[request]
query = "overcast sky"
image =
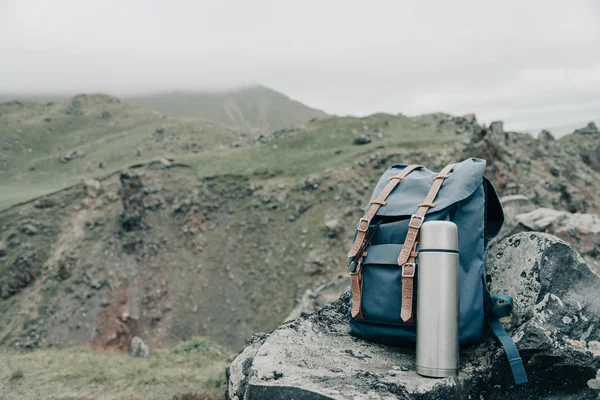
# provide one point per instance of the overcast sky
(530, 63)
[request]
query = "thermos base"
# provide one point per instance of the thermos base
(436, 372)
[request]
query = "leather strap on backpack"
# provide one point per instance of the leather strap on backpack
(363, 223)
(358, 246)
(408, 254)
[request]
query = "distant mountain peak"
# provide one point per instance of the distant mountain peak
(254, 107)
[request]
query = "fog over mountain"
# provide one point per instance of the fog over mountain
(531, 64)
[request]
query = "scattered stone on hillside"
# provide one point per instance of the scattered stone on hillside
(21, 273)
(30, 229)
(586, 141)
(93, 188)
(71, 156)
(516, 204)
(546, 136)
(93, 223)
(309, 184)
(74, 108)
(138, 348)
(553, 323)
(302, 206)
(332, 228)
(105, 115)
(45, 203)
(314, 300)
(318, 261)
(589, 129)
(133, 217)
(66, 263)
(159, 163)
(362, 139)
(13, 240)
(497, 129)
(470, 118)
(2, 249)
(111, 197)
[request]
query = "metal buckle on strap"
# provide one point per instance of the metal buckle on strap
(414, 269)
(360, 221)
(413, 217)
(354, 267)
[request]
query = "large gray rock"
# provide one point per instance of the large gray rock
(138, 348)
(516, 204)
(580, 230)
(555, 325)
(314, 300)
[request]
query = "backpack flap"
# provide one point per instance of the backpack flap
(464, 179)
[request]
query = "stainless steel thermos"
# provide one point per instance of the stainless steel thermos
(437, 300)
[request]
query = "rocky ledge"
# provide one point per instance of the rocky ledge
(555, 323)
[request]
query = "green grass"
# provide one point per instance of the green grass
(33, 167)
(83, 373)
(33, 137)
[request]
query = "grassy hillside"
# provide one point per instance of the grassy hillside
(193, 370)
(230, 235)
(220, 241)
(114, 135)
(45, 147)
(252, 109)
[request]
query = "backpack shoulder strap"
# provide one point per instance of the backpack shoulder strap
(500, 306)
(361, 238)
(407, 256)
(363, 223)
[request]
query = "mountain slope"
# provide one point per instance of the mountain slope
(45, 147)
(250, 109)
(222, 247)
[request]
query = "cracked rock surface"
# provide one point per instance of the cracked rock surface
(554, 322)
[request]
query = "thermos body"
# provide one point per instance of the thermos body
(437, 300)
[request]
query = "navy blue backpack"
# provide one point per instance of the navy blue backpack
(383, 260)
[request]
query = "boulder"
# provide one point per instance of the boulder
(159, 163)
(332, 228)
(138, 348)
(580, 230)
(93, 188)
(65, 158)
(314, 300)
(516, 204)
(554, 323)
(2, 249)
(30, 229)
(44, 203)
(362, 139)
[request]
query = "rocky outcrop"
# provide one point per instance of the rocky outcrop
(133, 217)
(314, 300)
(554, 322)
(559, 174)
(22, 272)
(580, 230)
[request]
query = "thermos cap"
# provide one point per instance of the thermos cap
(439, 235)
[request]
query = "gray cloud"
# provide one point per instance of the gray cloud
(532, 63)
